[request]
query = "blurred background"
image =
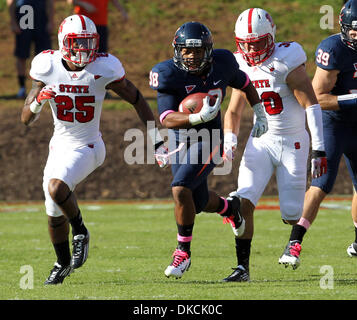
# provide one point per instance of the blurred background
(141, 41)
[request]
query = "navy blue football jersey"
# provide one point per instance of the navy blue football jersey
(173, 84)
(333, 54)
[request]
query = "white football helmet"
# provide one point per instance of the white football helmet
(253, 25)
(78, 40)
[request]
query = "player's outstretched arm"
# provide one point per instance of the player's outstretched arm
(232, 120)
(261, 122)
(28, 116)
(299, 82)
(234, 112)
(323, 82)
(130, 93)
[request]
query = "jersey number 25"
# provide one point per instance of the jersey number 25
(83, 113)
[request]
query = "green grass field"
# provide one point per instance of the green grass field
(131, 245)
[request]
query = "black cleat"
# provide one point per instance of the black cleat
(58, 273)
(240, 274)
(236, 220)
(352, 250)
(80, 250)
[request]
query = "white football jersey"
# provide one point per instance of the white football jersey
(77, 107)
(285, 115)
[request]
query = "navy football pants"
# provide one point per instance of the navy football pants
(340, 139)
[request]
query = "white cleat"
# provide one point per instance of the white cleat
(181, 262)
(290, 256)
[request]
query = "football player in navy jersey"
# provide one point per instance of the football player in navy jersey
(335, 85)
(196, 67)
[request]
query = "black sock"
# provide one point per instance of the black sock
(356, 234)
(184, 231)
(77, 224)
(63, 253)
(297, 233)
(243, 252)
(21, 80)
(221, 205)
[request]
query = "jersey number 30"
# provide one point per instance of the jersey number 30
(83, 113)
(272, 102)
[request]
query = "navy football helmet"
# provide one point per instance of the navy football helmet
(193, 35)
(348, 21)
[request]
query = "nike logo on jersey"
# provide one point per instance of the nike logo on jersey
(261, 83)
(73, 89)
(216, 82)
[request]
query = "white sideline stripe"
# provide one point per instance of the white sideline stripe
(335, 206)
(154, 206)
(94, 208)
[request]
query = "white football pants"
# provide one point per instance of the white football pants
(286, 156)
(71, 165)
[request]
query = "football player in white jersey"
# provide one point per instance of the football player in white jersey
(74, 80)
(278, 72)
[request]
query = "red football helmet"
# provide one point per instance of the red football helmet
(78, 40)
(254, 25)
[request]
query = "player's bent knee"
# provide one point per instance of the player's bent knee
(181, 194)
(59, 191)
(291, 222)
(56, 222)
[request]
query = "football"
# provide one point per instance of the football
(193, 103)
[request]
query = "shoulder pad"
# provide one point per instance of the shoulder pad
(223, 55)
(331, 43)
(41, 64)
(162, 76)
(239, 58)
(109, 66)
(291, 54)
(330, 53)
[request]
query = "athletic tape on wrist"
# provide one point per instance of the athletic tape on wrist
(35, 107)
(347, 101)
(195, 119)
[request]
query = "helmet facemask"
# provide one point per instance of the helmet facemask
(193, 35)
(256, 57)
(348, 22)
(80, 49)
(196, 64)
(252, 26)
(346, 38)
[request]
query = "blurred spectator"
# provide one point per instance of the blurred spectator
(31, 21)
(97, 10)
